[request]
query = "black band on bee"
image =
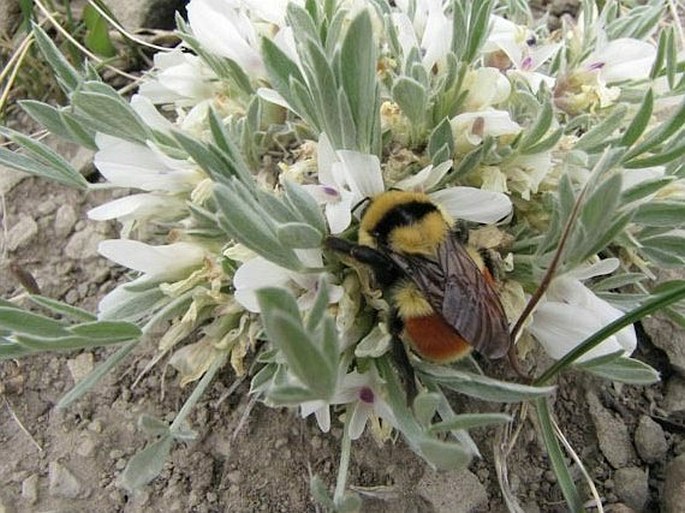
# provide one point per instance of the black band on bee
(404, 214)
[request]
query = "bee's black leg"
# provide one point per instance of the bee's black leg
(384, 269)
(399, 353)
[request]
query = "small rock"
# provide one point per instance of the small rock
(22, 233)
(80, 366)
(673, 495)
(442, 492)
(632, 487)
(619, 507)
(650, 440)
(86, 447)
(47, 207)
(65, 219)
(62, 482)
(668, 337)
(83, 244)
(29, 489)
(612, 433)
(675, 395)
(95, 426)
(8, 177)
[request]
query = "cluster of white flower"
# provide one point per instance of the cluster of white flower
(488, 106)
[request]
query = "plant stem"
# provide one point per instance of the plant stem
(343, 468)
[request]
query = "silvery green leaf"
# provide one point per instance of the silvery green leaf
(639, 123)
(281, 69)
(479, 19)
(262, 380)
(556, 456)
(64, 343)
(443, 455)
(146, 465)
(644, 189)
(348, 131)
(27, 323)
(618, 281)
(67, 77)
(357, 74)
(659, 134)
(441, 137)
(473, 158)
(58, 122)
(664, 213)
(305, 357)
(470, 421)
(539, 128)
(217, 169)
(412, 98)
(425, 405)
(298, 236)
(136, 306)
(291, 395)
(40, 160)
(482, 387)
(350, 503)
(110, 114)
(106, 331)
(672, 153)
(228, 151)
(304, 206)
(624, 370)
(545, 144)
(320, 492)
(460, 28)
(601, 134)
(602, 239)
(152, 425)
(96, 375)
(316, 314)
(302, 23)
(10, 350)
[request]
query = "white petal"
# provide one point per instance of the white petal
(437, 35)
(139, 206)
(425, 179)
(326, 157)
(473, 204)
(405, 32)
(623, 59)
(339, 214)
(358, 417)
(633, 177)
(152, 260)
(149, 113)
(255, 274)
(363, 173)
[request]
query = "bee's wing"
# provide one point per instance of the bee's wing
(456, 288)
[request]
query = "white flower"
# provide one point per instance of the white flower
(127, 164)
(486, 87)
(345, 178)
(430, 24)
(363, 395)
(156, 263)
(180, 78)
(232, 28)
(470, 128)
(520, 46)
(140, 208)
(621, 59)
(571, 313)
(258, 273)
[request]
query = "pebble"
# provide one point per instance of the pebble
(86, 447)
(62, 482)
(619, 507)
(9, 179)
(440, 490)
(95, 426)
(80, 366)
(29, 489)
(673, 495)
(650, 440)
(675, 395)
(22, 233)
(612, 433)
(668, 337)
(83, 244)
(632, 487)
(46, 207)
(65, 219)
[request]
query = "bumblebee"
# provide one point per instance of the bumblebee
(442, 296)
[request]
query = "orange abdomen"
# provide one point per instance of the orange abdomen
(435, 340)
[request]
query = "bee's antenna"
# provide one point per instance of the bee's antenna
(360, 203)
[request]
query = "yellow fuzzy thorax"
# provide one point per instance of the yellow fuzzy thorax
(422, 237)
